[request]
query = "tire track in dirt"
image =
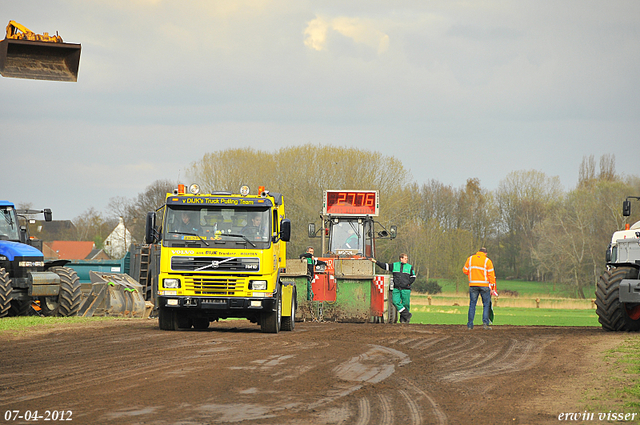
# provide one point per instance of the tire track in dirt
(513, 356)
(386, 416)
(414, 410)
(321, 374)
(70, 378)
(472, 360)
(439, 415)
(364, 412)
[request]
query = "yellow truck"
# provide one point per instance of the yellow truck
(221, 256)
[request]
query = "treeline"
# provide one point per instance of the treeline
(532, 228)
(93, 225)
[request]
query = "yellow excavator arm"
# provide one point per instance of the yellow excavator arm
(16, 31)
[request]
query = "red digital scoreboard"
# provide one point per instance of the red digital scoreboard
(351, 202)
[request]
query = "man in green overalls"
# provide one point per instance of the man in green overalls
(403, 277)
(312, 262)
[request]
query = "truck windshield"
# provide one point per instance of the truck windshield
(347, 237)
(229, 227)
(9, 229)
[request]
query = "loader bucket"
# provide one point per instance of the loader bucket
(38, 60)
(114, 294)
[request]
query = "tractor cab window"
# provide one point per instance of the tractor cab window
(9, 228)
(217, 226)
(347, 237)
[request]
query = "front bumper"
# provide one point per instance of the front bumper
(230, 304)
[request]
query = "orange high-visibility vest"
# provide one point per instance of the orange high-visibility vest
(479, 268)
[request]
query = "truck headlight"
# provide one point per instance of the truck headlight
(171, 283)
(258, 285)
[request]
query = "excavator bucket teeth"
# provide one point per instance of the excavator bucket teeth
(38, 60)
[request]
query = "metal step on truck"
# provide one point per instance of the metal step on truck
(221, 256)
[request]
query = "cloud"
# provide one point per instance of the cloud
(316, 34)
(358, 30)
(159, 77)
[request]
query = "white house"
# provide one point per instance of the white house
(118, 241)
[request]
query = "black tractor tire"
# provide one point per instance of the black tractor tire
(289, 322)
(5, 293)
(21, 308)
(612, 314)
(69, 300)
(393, 312)
(271, 321)
(166, 318)
(173, 320)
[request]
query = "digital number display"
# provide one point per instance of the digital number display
(351, 202)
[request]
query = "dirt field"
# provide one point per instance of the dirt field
(130, 372)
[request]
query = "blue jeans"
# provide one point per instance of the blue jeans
(485, 292)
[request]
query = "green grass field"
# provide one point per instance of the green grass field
(523, 288)
(434, 315)
(457, 315)
(26, 322)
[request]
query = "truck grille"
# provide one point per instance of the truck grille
(215, 287)
(215, 264)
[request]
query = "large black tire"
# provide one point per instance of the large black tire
(393, 311)
(5, 292)
(173, 320)
(271, 321)
(21, 308)
(612, 314)
(166, 318)
(68, 301)
(289, 322)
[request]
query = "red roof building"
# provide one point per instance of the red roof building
(73, 250)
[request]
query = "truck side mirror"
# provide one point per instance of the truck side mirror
(312, 230)
(626, 208)
(285, 230)
(47, 214)
(150, 228)
(393, 232)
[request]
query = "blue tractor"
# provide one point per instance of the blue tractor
(26, 280)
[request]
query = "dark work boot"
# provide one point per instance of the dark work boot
(405, 316)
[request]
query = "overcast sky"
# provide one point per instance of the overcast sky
(453, 89)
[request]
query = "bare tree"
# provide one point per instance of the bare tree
(524, 198)
(607, 168)
(301, 173)
(133, 211)
(92, 226)
(587, 172)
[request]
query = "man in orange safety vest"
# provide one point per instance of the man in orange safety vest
(482, 282)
